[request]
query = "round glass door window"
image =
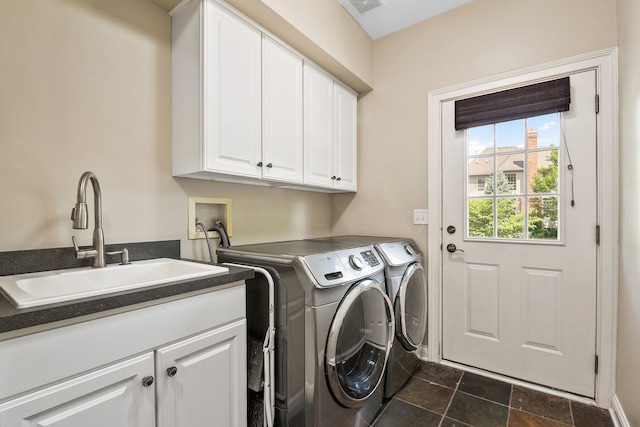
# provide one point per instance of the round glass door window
(410, 308)
(359, 342)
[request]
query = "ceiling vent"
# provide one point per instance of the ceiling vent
(363, 6)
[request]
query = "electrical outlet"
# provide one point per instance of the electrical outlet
(420, 216)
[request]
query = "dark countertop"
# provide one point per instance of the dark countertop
(16, 322)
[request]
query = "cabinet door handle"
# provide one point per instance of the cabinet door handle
(172, 371)
(147, 381)
(333, 177)
(259, 164)
(269, 165)
(339, 179)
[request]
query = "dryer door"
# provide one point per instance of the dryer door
(359, 343)
(410, 308)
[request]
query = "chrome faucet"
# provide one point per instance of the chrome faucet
(81, 222)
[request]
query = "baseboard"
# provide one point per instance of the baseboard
(617, 414)
(423, 352)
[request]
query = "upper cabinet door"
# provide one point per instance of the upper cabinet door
(281, 113)
(346, 138)
(318, 128)
(232, 93)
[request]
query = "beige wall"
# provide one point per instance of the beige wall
(628, 369)
(86, 85)
(483, 38)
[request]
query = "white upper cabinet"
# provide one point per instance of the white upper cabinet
(346, 138)
(232, 93)
(247, 108)
(318, 128)
(281, 113)
(217, 92)
(330, 132)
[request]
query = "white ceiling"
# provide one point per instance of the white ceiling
(394, 15)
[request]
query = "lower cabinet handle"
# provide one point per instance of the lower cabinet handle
(339, 179)
(269, 165)
(172, 371)
(147, 381)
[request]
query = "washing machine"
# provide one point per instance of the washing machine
(335, 328)
(407, 288)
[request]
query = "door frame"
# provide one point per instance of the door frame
(605, 62)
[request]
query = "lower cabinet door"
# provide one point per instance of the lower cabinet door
(202, 380)
(118, 395)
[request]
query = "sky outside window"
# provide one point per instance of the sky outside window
(512, 134)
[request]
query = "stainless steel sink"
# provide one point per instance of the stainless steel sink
(34, 289)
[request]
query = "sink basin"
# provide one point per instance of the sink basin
(34, 289)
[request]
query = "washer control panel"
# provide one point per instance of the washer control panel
(370, 257)
(339, 267)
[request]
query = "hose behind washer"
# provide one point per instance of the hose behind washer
(268, 348)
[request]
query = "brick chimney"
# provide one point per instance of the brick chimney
(532, 160)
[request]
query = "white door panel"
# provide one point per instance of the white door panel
(519, 307)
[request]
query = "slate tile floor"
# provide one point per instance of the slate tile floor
(441, 396)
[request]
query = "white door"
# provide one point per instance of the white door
(318, 128)
(521, 301)
(202, 380)
(346, 138)
(233, 94)
(281, 113)
(119, 395)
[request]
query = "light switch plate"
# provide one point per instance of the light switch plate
(421, 216)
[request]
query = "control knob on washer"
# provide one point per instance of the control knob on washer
(355, 262)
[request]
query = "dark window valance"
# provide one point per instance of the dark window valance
(527, 101)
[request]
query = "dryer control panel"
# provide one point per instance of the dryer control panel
(340, 267)
(398, 253)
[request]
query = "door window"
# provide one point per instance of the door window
(517, 163)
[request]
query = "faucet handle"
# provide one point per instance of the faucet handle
(82, 254)
(125, 255)
(73, 238)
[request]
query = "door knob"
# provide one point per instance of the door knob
(451, 248)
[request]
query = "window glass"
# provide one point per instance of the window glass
(513, 180)
(480, 140)
(480, 176)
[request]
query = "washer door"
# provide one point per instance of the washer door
(410, 307)
(359, 343)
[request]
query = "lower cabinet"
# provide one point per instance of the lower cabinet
(166, 375)
(113, 396)
(202, 380)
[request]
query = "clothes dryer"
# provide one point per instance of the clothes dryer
(334, 328)
(407, 289)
